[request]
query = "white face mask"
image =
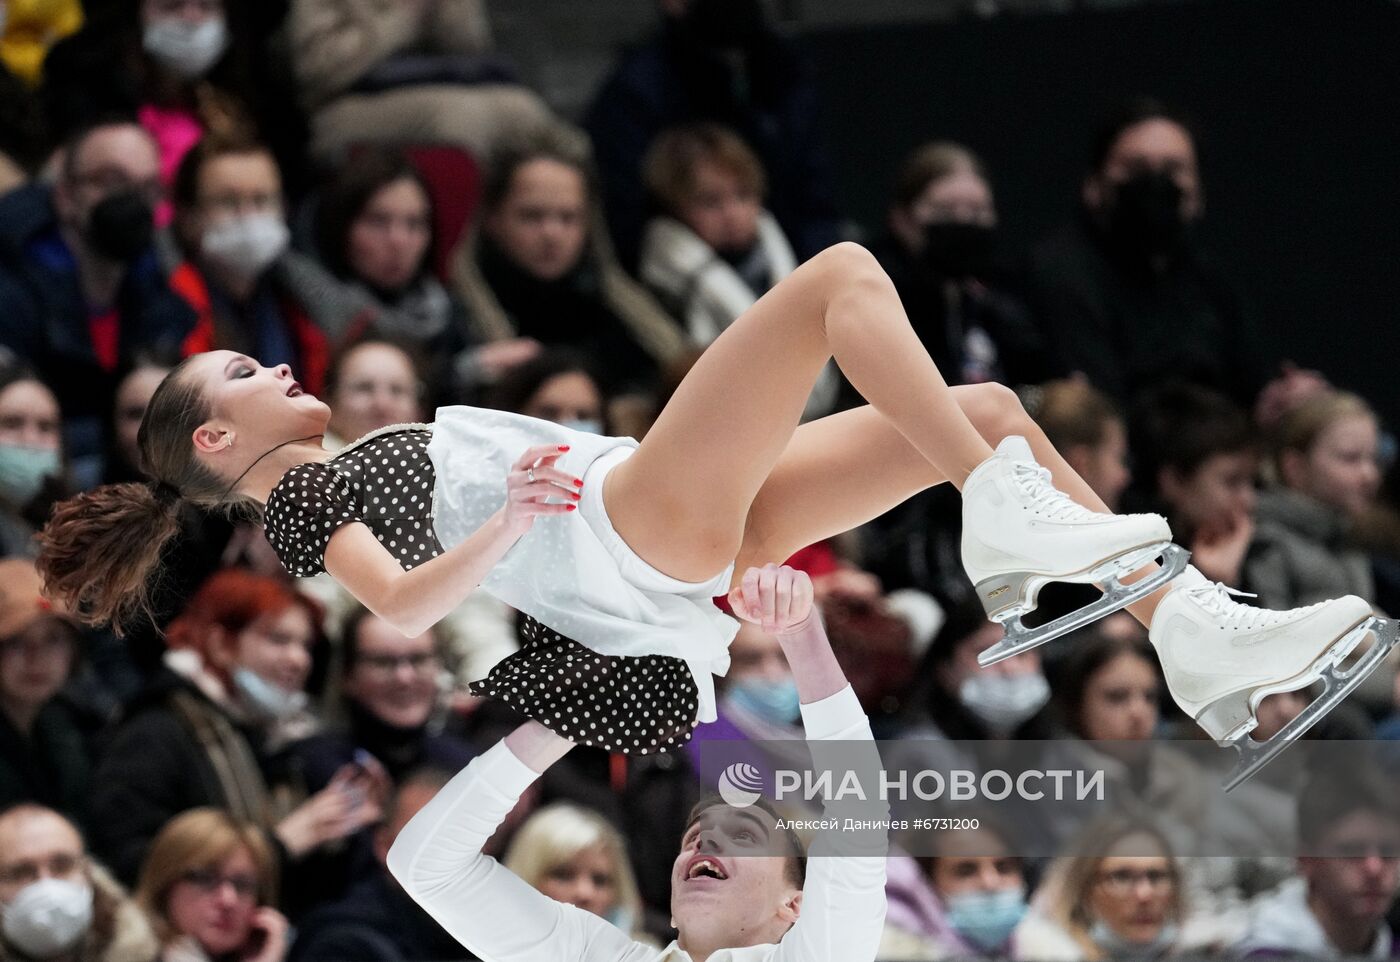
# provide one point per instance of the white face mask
(188, 49)
(270, 701)
(1002, 702)
(246, 245)
(586, 425)
(48, 917)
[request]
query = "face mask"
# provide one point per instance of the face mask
(23, 470)
(246, 245)
(48, 917)
(268, 700)
(1115, 946)
(187, 49)
(986, 918)
(726, 23)
(1144, 215)
(958, 250)
(120, 227)
(1002, 702)
(773, 701)
(586, 425)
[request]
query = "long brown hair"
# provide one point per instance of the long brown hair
(100, 552)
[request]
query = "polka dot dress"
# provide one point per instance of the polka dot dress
(385, 480)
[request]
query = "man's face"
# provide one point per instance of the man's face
(725, 889)
(109, 161)
(1358, 883)
(34, 846)
(394, 678)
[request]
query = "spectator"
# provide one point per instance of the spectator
(134, 392)
(58, 904)
(374, 234)
(390, 687)
(1118, 894)
(80, 288)
(43, 754)
(22, 129)
(377, 921)
(1348, 875)
(196, 737)
(1200, 451)
(941, 253)
(714, 250)
(962, 902)
(248, 291)
(31, 457)
(541, 268)
(720, 61)
(413, 73)
(183, 68)
(1125, 294)
(1087, 428)
(558, 386)
(372, 384)
(209, 882)
(574, 856)
(1326, 464)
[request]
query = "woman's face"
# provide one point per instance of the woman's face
(587, 880)
(390, 237)
(721, 209)
(29, 416)
(1216, 493)
(1133, 895)
(35, 663)
(571, 396)
(133, 395)
(974, 861)
(260, 407)
(215, 905)
(1120, 700)
(376, 386)
(1341, 468)
(542, 222)
(277, 647)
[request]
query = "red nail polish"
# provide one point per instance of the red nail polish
(573, 507)
(575, 496)
(563, 447)
(578, 481)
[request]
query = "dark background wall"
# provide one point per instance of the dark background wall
(1297, 103)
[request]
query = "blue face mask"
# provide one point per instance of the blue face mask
(773, 701)
(986, 919)
(1118, 947)
(586, 425)
(23, 470)
(268, 700)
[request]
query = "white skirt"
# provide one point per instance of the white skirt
(573, 572)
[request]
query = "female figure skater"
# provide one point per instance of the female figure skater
(622, 638)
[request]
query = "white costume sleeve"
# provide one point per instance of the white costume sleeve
(490, 910)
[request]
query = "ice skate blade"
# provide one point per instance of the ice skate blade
(1116, 597)
(1337, 684)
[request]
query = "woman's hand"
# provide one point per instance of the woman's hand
(532, 480)
(775, 597)
(267, 941)
(353, 799)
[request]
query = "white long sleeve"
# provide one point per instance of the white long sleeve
(498, 917)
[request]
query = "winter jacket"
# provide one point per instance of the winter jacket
(1302, 553)
(120, 930)
(49, 766)
(1282, 924)
(376, 922)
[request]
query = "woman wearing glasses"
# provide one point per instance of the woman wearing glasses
(209, 884)
(1117, 893)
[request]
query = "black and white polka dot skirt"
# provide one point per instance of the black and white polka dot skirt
(620, 704)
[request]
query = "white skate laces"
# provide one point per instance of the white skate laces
(1217, 600)
(1045, 498)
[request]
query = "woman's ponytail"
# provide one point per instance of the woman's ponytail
(101, 550)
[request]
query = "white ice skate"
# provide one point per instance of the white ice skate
(1020, 534)
(1221, 658)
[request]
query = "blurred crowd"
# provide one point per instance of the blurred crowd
(367, 191)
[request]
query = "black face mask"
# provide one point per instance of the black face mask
(1143, 215)
(120, 227)
(957, 250)
(728, 24)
